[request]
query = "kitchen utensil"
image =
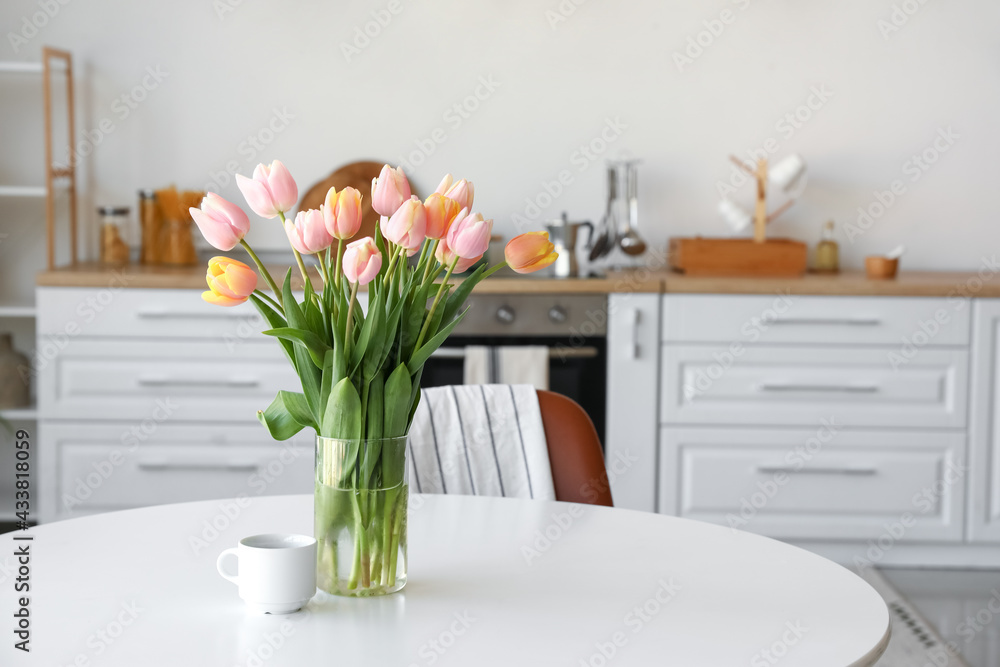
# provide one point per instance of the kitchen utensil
(631, 243)
(607, 237)
(878, 267)
(563, 235)
(896, 252)
(277, 572)
(357, 175)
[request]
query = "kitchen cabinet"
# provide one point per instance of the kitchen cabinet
(633, 377)
(984, 433)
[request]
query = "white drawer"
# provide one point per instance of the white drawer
(164, 313)
(833, 320)
(188, 380)
(68, 312)
(103, 467)
(708, 384)
(790, 484)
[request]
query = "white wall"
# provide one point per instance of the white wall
(556, 87)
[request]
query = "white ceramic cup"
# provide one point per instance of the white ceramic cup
(276, 571)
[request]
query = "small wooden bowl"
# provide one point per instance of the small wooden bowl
(881, 268)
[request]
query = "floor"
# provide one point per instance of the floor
(962, 605)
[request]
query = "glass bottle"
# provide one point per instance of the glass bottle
(114, 250)
(827, 251)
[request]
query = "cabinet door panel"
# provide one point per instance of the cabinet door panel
(984, 429)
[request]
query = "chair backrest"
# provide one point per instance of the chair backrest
(575, 455)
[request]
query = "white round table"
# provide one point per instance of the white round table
(492, 581)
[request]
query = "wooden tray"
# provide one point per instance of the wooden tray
(737, 257)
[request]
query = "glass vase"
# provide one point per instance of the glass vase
(360, 516)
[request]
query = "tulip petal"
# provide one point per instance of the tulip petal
(284, 191)
(219, 235)
(257, 195)
(219, 300)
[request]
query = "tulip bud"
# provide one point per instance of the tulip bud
(222, 223)
(308, 233)
(407, 225)
(445, 256)
(461, 193)
(389, 190)
(362, 261)
(272, 189)
(469, 235)
(230, 282)
(530, 252)
(441, 212)
(342, 213)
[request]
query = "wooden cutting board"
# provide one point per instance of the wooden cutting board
(357, 175)
(737, 257)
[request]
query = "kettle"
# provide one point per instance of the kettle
(563, 235)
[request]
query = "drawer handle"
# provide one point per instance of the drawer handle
(848, 321)
(155, 314)
(196, 465)
(843, 470)
(196, 382)
(848, 388)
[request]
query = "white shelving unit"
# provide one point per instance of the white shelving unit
(20, 414)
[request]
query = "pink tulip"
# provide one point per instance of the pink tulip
(469, 235)
(308, 233)
(441, 212)
(342, 213)
(461, 193)
(389, 190)
(362, 261)
(444, 184)
(222, 223)
(271, 190)
(407, 225)
(444, 255)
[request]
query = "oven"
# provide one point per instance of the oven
(573, 327)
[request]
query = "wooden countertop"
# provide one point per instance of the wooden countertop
(94, 274)
(908, 283)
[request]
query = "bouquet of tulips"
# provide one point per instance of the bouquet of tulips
(360, 371)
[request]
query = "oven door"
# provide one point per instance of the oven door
(576, 371)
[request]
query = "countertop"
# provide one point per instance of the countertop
(985, 283)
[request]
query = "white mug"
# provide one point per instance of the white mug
(276, 572)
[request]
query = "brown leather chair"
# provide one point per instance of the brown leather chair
(575, 454)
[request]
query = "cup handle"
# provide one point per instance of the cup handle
(222, 570)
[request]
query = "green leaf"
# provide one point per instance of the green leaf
(311, 379)
(287, 415)
(293, 313)
(413, 318)
(342, 418)
(371, 334)
(423, 354)
(373, 434)
(461, 293)
(397, 402)
(315, 345)
(276, 320)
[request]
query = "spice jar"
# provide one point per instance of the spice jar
(827, 251)
(149, 222)
(114, 250)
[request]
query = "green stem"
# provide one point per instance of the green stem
(350, 321)
(340, 255)
(298, 257)
(437, 298)
(264, 272)
(427, 269)
(397, 524)
(359, 531)
(388, 559)
(265, 297)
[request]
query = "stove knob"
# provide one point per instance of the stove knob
(505, 314)
(557, 314)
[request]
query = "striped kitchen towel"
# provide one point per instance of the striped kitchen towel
(481, 440)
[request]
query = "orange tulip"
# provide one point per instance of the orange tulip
(441, 212)
(230, 282)
(530, 252)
